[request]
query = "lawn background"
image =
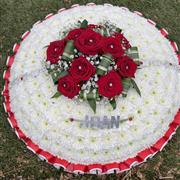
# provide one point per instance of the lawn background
(17, 16)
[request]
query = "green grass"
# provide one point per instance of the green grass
(17, 16)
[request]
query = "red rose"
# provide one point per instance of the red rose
(54, 50)
(110, 84)
(81, 69)
(126, 66)
(92, 26)
(125, 43)
(112, 46)
(74, 34)
(68, 87)
(89, 42)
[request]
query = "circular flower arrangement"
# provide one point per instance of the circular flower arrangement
(118, 77)
(92, 62)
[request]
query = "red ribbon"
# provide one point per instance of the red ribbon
(13, 120)
(151, 22)
(91, 4)
(143, 155)
(5, 91)
(49, 15)
(130, 161)
(7, 105)
(178, 55)
(159, 144)
(6, 74)
(123, 166)
(25, 35)
(95, 168)
(74, 5)
(35, 148)
(61, 10)
(61, 162)
(79, 168)
(111, 167)
(177, 119)
(164, 32)
(10, 61)
(138, 13)
(173, 44)
(16, 47)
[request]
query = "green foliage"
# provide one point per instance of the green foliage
(135, 87)
(92, 103)
(57, 74)
(56, 95)
(133, 53)
(113, 103)
(84, 24)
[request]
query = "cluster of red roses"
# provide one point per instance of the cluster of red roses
(90, 43)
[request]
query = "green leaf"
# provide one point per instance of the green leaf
(56, 75)
(63, 73)
(68, 53)
(118, 30)
(124, 95)
(133, 52)
(56, 95)
(113, 103)
(105, 32)
(46, 46)
(126, 86)
(135, 87)
(104, 64)
(92, 103)
(138, 62)
(81, 94)
(84, 24)
(158, 26)
(170, 37)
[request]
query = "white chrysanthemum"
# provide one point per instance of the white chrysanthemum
(46, 120)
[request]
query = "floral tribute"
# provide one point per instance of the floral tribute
(93, 62)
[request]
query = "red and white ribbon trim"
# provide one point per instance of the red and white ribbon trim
(151, 22)
(49, 15)
(61, 10)
(138, 13)
(131, 161)
(164, 32)
(124, 8)
(33, 147)
(10, 61)
(5, 91)
(25, 35)
(16, 47)
(174, 45)
(107, 4)
(95, 168)
(6, 74)
(81, 168)
(91, 4)
(38, 22)
(12, 121)
(112, 167)
(178, 55)
(143, 155)
(160, 144)
(123, 167)
(75, 5)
